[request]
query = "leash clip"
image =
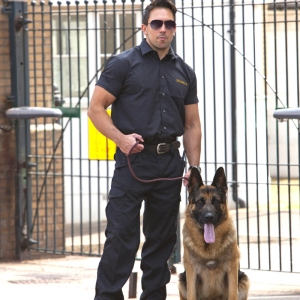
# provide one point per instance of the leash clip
(163, 150)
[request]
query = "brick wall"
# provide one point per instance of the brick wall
(49, 224)
(40, 95)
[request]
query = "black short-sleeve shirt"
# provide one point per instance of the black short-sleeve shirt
(151, 94)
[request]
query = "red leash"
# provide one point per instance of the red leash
(149, 180)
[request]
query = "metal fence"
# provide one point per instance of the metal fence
(246, 57)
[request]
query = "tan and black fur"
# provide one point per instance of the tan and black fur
(211, 268)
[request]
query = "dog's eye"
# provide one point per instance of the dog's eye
(201, 201)
(215, 201)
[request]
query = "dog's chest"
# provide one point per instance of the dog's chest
(211, 264)
(201, 263)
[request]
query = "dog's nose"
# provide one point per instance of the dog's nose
(209, 216)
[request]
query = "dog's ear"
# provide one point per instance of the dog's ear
(220, 181)
(195, 180)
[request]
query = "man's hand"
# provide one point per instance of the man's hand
(186, 178)
(128, 141)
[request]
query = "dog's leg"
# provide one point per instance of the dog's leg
(191, 279)
(233, 281)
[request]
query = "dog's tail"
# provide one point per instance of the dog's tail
(182, 277)
(244, 285)
(182, 285)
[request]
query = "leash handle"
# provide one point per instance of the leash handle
(148, 180)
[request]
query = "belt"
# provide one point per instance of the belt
(162, 148)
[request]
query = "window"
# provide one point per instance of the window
(75, 47)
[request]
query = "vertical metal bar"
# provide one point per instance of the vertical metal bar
(60, 141)
(69, 52)
(233, 109)
(25, 75)
(123, 26)
(132, 285)
(224, 86)
(90, 185)
(245, 128)
(60, 39)
(214, 81)
(183, 30)
(19, 86)
(54, 185)
(33, 4)
(204, 87)
(23, 44)
(132, 22)
(277, 135)
(256, 138)
(96, 15)
(80, 147)
(193, 34)
(42, 4)
(142, 10)
(115, 25)
(298, 99)
(79, 95)
(267, 131)
(54, 189)
(288, 133)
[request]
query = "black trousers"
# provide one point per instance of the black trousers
(123, 224)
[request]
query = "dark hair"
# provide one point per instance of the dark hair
(157, 4)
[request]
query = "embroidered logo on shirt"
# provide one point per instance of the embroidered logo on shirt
(181, 81)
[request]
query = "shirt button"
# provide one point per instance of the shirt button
(165, 127)
(163, 94)
(164, 110)
(162, 77)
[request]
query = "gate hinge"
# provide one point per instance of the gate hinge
(10, 99)
(20, 22)
(6, 9)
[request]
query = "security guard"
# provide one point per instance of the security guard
(153, 94)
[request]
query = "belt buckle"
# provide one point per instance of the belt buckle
(158, 150)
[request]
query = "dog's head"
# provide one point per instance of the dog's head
(208, 203)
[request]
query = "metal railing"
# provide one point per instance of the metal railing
(246, 58)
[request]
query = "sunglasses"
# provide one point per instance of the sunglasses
(157, 24)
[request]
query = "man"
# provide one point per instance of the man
(153, 94)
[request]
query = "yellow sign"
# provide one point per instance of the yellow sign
(100, 147)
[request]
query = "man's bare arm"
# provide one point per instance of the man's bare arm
(192, 136)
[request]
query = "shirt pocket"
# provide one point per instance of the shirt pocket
(178, 89)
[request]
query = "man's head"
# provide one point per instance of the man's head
(159, 25)
(158, 4)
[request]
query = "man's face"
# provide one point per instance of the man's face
(161, 38)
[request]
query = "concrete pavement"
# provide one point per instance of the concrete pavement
(73, 278)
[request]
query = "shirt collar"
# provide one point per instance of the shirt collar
(145, 48)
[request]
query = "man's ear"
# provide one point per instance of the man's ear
(144, 29)
(195, 180)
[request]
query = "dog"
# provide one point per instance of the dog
(211, 255)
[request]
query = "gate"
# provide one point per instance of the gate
(246, 57)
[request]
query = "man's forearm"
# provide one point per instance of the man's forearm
(192, 145)
(104, 124)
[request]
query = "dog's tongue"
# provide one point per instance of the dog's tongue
(209, 233)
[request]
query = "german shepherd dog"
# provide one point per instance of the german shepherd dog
(211, 255)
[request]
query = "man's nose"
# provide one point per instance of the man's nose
(163, 27)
